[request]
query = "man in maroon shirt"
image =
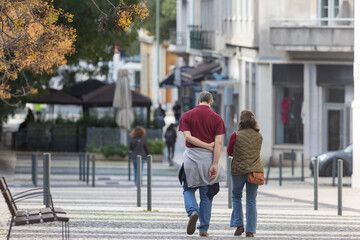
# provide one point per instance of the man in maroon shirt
(203, 130)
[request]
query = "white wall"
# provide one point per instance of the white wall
(280, 9)
(265, 113)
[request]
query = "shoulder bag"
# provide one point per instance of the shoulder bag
(256, 178)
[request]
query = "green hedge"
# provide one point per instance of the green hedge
(156, 146)
(110, 150)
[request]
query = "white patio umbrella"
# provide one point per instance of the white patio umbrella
(122, 103)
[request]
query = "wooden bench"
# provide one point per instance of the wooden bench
(24, 217)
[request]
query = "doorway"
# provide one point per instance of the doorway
(334, 127)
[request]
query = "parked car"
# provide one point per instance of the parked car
(326, 161)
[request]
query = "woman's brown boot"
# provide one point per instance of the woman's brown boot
(239, 230)
(249, 234)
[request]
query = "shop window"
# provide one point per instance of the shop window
(289, 115)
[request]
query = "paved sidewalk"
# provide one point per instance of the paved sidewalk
(109, 210)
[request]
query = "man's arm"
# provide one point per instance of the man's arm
(213, 171)
(197, 142)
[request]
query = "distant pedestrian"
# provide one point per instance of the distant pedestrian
(160, 116)
(170, 140)
(138, 146)
(245, 146)
(177, 112)
(203, 130)
(28, 119)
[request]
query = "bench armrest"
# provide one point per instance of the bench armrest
(30, 190)
(32, 194)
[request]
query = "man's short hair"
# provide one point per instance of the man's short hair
(205, 96)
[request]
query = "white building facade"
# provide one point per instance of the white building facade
(289, 61)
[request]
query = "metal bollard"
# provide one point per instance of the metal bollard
(333, 171)
(93, 170)
(316, 184)
(149, 181)
(280, 169)
(129, 167)
(228, 170)
(34, 170)
(340, 185)
(268, 170)
(80, 167)
(292, 161)
(83, 165)
(229, 181)
(87, 168)
(138, 178)
(46, 178)
(302, 167)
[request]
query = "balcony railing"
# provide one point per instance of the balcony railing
(201, 39)
(319, 22)
(178, 38)
(323, 34)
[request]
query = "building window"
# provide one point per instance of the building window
(137, 81)
(247, 85)
(329, 9)
(289, 117)
(253, 87)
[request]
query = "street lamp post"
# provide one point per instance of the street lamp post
(355, 180)
(157, 37)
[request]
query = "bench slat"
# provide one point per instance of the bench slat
(62, 217)
(48, 217)
(34, 219)
(8, 198)
(3, 184)
(20, 220)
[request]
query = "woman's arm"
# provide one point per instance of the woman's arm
(230, 146)
(146, 147)
(197, 142)
(132, 145)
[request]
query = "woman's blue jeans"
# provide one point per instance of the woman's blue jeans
(191, 205)
(135, 169)
(237, 218)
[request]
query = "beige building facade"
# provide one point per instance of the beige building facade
(149, 81)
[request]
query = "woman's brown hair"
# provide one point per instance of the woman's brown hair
(138, 132)
(247, 120)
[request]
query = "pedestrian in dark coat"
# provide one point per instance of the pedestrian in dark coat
(170, 140)
(138, 146)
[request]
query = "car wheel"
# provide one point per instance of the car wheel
(328, 170)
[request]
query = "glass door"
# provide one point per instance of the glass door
(335, 128)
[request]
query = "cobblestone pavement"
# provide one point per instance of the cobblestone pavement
(109, 210)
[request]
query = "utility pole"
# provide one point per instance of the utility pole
(355, 178)
(157, 80)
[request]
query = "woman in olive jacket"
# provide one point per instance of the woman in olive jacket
(245, 145)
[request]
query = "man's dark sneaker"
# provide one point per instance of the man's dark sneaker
(239, 230)
(203, 234)
(249, 234)
(192, 223)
